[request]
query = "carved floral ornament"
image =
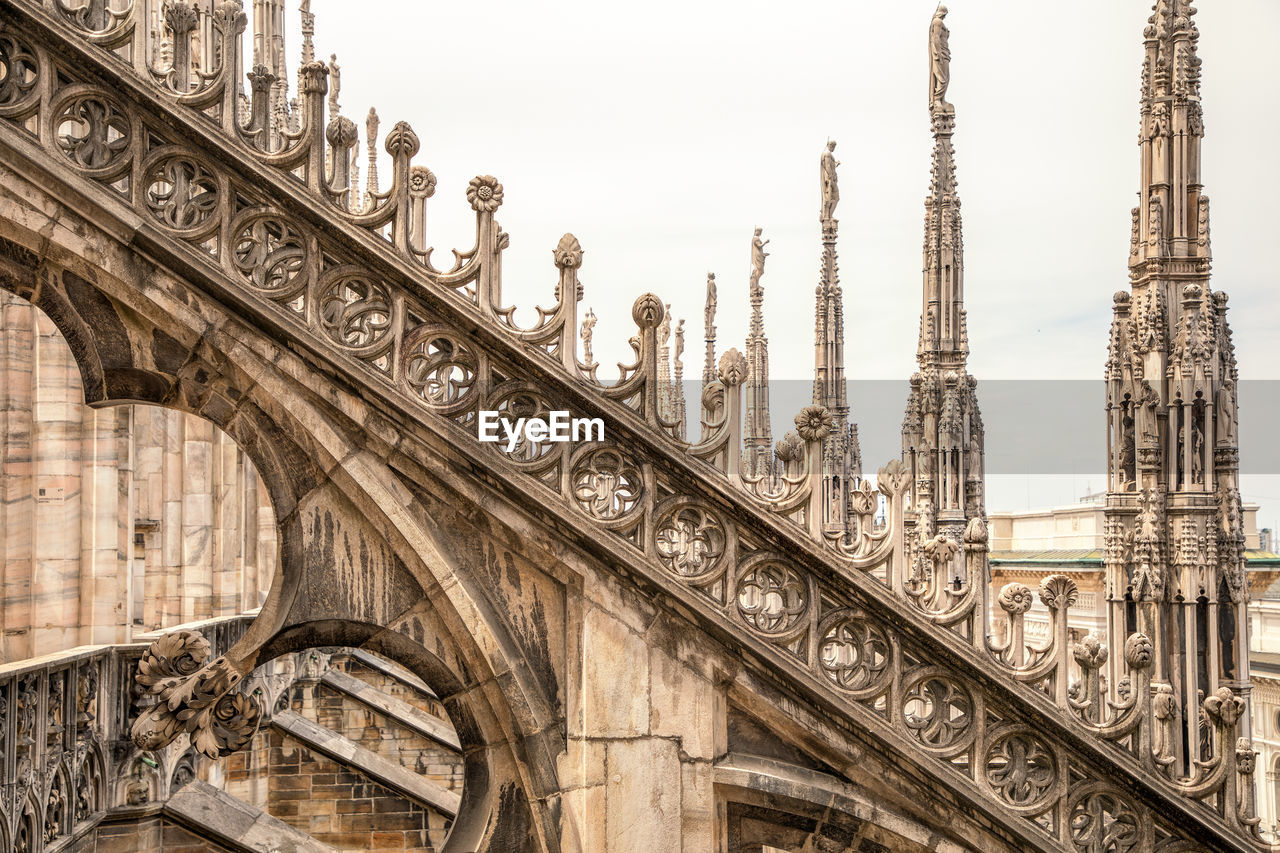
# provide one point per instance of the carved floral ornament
(484, 194)
(190, 697)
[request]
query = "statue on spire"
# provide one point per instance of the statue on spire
(830, 188)
(710, 310)
(335, 84)
(939, 62)
(588, 324)
(758, 254)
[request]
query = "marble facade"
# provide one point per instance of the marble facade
(114, 519)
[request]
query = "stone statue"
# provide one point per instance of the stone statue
(939, 62)
(975, 457)
(679, 345)
(1225, 403)
(830, 189)
(758, 254)
(1197, 453)
(335, 83)
(1148, 400)
(710, 315)
(588, 323)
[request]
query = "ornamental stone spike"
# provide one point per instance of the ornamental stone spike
(1173, 552)
(757, 433)
(942, 432)
(841, 470)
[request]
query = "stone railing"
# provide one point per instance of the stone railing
(878, 622)
(65, 753)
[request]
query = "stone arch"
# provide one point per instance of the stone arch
(184, 769)
(90, 792)
(773, 804)
(141, 334)
(1275, 788)
(58, 805)
(491, 816)
(27, 834)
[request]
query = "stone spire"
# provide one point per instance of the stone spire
(841, 460)
(942, 434)
(1174, 553)
(269, 59)
(709, 325)
(677, 386)
(665, 408)
(758, 437)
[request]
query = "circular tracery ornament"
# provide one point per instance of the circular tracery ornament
(1021, 768)
(855, 654)
(439, 368)
(1103, 821)
(606, 484)
(690, 541)
(355, 311)
(271, 256)
(937, 711)
(181, 193)
(515, 405)
(772, 597)
(19, 71)
(91, 131)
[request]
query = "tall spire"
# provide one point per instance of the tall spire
(841, 460)
(709, 325)
(942, 433)
(757, 434)
(1174, 539)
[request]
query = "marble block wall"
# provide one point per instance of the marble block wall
(115, 519)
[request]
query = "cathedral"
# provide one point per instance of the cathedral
(263, 587)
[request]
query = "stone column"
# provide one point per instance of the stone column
(17, 485)
(56, 453)
(227, 519)
(197, 519)
(171, 534)
(104, 566)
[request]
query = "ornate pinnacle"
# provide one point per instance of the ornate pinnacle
(371, 139)
(308, 30)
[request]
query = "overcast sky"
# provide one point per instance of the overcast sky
(661, 133)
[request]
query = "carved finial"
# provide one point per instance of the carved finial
(733, 367)
(568, 253)
(647, 311)
(402, 142)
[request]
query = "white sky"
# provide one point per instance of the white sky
(661, 133)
